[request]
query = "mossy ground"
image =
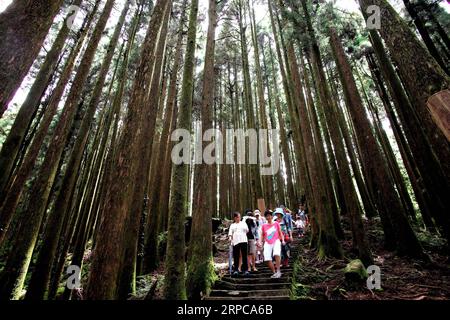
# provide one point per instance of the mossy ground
(401, 277)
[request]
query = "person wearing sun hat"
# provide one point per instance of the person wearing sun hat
(278, 211)
(259, 220)
(284, 226)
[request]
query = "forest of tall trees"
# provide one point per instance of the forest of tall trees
(119, 178)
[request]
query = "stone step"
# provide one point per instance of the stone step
(267, 269)
(262, 274)
(267, 280)
(283, 297)
(249, 293)
(283, 270)
(224, 285)
(257, 286)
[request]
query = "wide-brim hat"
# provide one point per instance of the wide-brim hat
(278, 211)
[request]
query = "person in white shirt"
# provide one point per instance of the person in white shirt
(238, 238)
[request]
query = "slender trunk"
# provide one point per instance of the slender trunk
(261, 106)
(328, 243)
(24, 26)
(9, 200)
(108, 254)
(430, 169)
(255, 177)
(163, 205)
(40, 277)
(326, 131)
(337, 195)
(369, 208)
(128, 272)
(405, 151)
(150, 259)
(324, 95)
(442, 32)
(392, 163)
(200, 266)
(388, 203)
(426, 37)
(18, 262)
(304, 188)
(174, 284)
(421, 75)
(29, 108)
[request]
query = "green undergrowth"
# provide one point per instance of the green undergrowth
(299, 291)
(162, 244)
(144, 283)
(431, 241)
(201, 277)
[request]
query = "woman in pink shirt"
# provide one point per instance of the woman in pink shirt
(271, 236)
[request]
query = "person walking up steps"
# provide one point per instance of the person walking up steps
(251, 236)
(288, 220)
(271, 235)
(259, 223)
(287, 233)
(300, 225)
(238, 237)
(301, 222)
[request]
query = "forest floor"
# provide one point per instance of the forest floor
(401, 278)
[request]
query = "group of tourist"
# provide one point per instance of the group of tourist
(256, 238)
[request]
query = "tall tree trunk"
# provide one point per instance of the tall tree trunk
(328, 243)
(321, 83)
(104, 279)
(426, 37)
(150, 259)
(9, 200)
(304, 188)
(369, 208)
(128, 272)
(387, 152)
(255, 177)
(40, 277)
(352, 207)
(421, 75)
(174, 284)
(440, 29)
(431, 170)
(330, 170)
(280, 194)
(163, 205)
(326, 133)
(24, 26)
(200, 266)
(405, 151)
(261, 105)
(290, 199)
(392, 163)
(29, 108)
(18, 261)
(388, 203)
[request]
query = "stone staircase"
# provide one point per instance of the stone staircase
(258, 285)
